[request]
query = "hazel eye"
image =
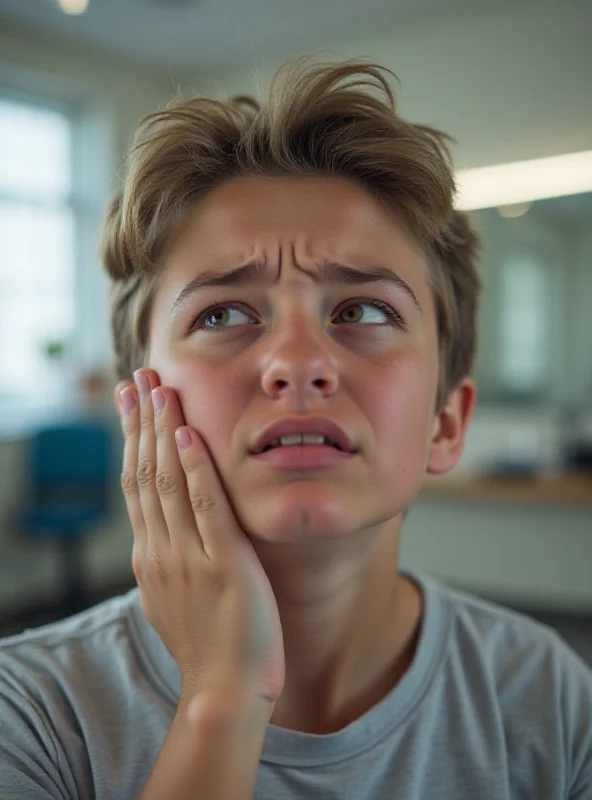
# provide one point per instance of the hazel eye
(377, 306)
(231, 315)
(219, 318)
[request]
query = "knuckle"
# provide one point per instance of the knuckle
(160, 428)
(194, 466)
(157, 566)
(201, 503)
(129, 482)
(137, 566)
(146, 472)
(166, 484)
(128, 424)
(146, 423)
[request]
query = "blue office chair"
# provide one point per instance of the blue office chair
(70, 475)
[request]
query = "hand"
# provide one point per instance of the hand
(201, 584)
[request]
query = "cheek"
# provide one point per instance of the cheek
(208, 399)
(400, 410)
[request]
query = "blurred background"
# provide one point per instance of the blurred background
(511, 81)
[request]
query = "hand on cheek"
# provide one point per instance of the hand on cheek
(201, 585)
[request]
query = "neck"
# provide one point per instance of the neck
(349, 625)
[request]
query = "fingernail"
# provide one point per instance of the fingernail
(183, 438)
(142, 383)
(127, 399)
(158, 400)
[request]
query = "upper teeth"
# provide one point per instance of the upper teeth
(300, 438)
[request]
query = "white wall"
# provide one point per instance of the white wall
(524, 554)
(508, 82)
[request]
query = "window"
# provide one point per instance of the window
(524, 328)
(37, 246)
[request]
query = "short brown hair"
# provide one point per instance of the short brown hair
(332, 119)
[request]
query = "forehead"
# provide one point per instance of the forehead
(319, 216)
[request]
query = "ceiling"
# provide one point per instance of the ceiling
(220, 34)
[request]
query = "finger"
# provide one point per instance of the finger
(156, 528)
(215, 518)
(171, 482)
(127, 403)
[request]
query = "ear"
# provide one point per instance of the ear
(450, 427)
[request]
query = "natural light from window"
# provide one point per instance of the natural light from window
(524, 354)
(37, 239)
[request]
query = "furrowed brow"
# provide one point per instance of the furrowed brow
(326, 273)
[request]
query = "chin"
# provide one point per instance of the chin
(299, 511)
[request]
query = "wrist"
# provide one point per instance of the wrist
(222, 707)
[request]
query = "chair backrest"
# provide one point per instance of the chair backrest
(74, 456)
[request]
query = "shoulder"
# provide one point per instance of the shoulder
(510, 643)
(540, 687)
(78, 630)
(58, 683)
(82, 649)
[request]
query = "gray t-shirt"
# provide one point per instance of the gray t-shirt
(495, 706)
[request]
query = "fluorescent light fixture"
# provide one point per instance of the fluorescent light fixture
(523, 181)
(516, 210)
(73, 7)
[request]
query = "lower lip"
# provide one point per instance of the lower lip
(303, 456)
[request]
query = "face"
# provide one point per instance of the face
(364, 355)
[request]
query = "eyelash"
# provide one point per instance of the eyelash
(393, 315)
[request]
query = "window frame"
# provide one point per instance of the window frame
(92, 178)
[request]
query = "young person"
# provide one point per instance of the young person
(273, 647)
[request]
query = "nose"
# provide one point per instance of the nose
(300, 364)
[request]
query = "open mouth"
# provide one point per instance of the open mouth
(299, 439)
(303, 452)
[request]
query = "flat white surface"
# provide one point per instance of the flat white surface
(528, 555)
(205, 33)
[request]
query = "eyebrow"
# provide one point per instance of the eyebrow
(327, 272)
